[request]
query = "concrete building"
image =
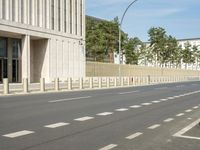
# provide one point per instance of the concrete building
(42, 38)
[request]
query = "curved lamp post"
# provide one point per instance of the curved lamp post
(120, 43)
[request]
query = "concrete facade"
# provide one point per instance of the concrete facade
(51, 35)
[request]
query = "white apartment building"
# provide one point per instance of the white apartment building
(42, 39)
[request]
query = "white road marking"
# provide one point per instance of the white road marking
(18, 134)
(111, 146)
(170, 98)
(189, 110)
(154, 126)
(156, 101)
(105, 114)
(169, 120)
(128, 92)
(84, 118)
(56, 125)
(195, 107)
(186, 129)
(130, 137)
(135, 106)
(146, 104)
(122, 109)
(181, 114)
(163, 100)
(176, 96)
(69, 99)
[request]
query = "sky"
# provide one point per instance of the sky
(180, 18)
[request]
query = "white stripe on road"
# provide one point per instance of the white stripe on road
(84, 118)
(186, 129)
(128, 92)
(122, 109)
(176, 96)
(69, 99)
(170, 98)
(154, 126)
(156, 101)
(179, 115)
(195, 107)
(105, 114)
(189, 110)
(169, 120)
(18, 134)
(164, 100)
(130, 137)
(111, 146)
(135, 106)
(56, 125)
(146, 104)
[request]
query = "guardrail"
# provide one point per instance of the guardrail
(86, 83)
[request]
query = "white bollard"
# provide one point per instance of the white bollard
(25, 85)
(108, 82)
(115, 82)
(5, 86)
(56, 84)
(80, 83)
(100, 82)
(91, 83)
(69, 82)
(122, 81)
(42, 84)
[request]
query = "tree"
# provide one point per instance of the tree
(132, 50)
(188, 57)
(158, 39)
(196, 52)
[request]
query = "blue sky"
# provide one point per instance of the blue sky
(180, 18)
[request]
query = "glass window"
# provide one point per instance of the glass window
(70, 18)
(59, 24)
(52, 14)
(3, 48)
(16, 48)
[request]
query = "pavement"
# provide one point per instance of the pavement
(133, 118)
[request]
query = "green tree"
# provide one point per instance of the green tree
(158, 40)
(132, 50)
(188, 57)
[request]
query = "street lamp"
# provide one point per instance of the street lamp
(120, 43)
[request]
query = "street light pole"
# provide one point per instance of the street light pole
(120, 36)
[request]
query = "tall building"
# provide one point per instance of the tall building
(42, 38)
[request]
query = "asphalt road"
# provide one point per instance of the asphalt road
(136, 118)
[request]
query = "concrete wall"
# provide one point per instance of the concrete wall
(105, 69)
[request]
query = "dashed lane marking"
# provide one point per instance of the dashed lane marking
(105, 114)
(156, 101)
(163, 100)
(169, 120)
(181, 114)
(130, 92)
(56, 125)
(154, 126)
(170, 98)
(108, 147)
(69, 99)
(18, 134)
(146, 104)
(189, 110)
(195, 107)
(130, 137)
(122, 109)
(135, 106)
(84, 118)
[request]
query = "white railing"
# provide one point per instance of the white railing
(87, 83)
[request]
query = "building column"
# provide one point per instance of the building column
(6, 9)
(26, 57)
